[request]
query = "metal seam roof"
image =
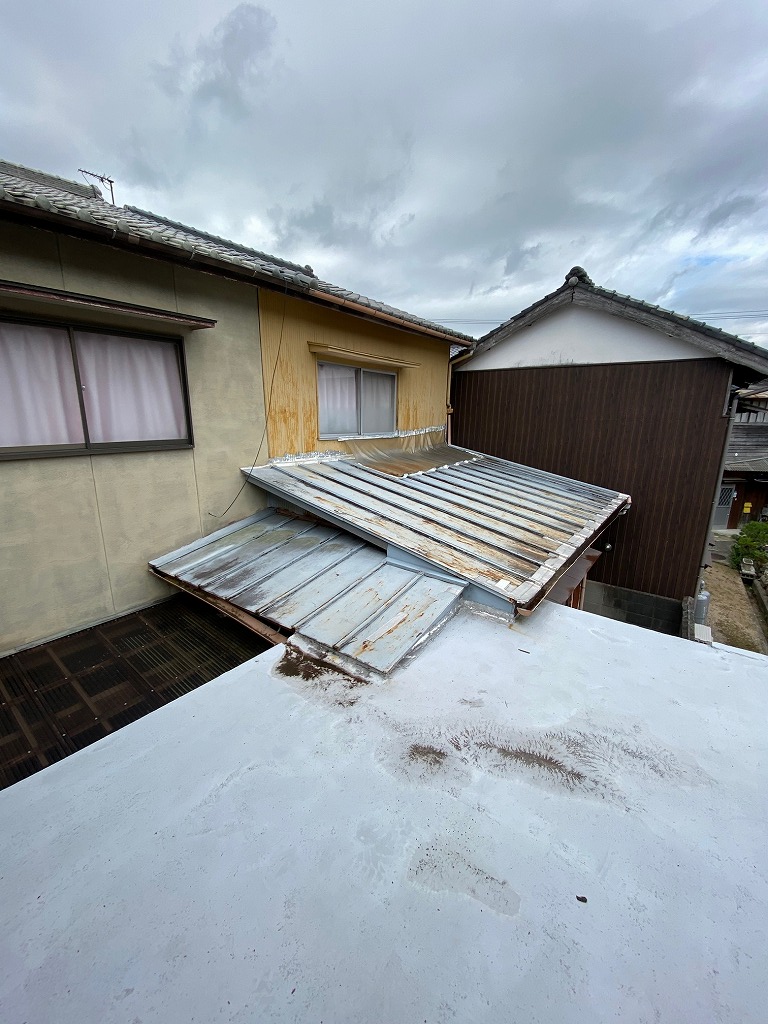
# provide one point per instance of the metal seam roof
(326, 585)
(429, 515)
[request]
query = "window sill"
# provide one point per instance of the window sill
(357, 437)
(127, 447)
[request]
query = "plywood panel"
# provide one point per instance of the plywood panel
(289, 326)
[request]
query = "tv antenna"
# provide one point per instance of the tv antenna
(103, 179)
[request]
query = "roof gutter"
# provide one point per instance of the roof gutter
(376, 314)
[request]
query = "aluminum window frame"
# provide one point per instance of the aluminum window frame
(359, 371)
(16, 452)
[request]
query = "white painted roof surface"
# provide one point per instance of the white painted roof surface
(273, 849)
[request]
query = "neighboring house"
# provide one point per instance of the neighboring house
(609, 389)
(142, 363)
(743, 494)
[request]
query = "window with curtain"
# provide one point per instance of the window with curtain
(355, 401)
(65, 390)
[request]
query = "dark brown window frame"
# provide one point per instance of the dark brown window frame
(112, 447)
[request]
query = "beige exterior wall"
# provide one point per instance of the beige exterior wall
(76, 532)
(289, 326)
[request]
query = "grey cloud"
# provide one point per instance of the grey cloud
(139, 167)
(450, 159)
(320, 222)
(734, 209)
(225, 66)
(519, 257)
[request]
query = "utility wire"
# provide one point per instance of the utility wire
(266, 414)
(734, 314)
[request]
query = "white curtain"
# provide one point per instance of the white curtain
(378, 402)
(337, 399)
(38, 394)
(131, 387)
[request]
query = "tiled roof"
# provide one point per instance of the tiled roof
(579, 289)
(61, 200)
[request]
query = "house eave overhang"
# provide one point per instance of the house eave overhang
(31, 300)
(709, 339)
(290, 283)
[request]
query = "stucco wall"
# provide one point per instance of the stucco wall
(288, 326)
(579, 336)
(77, 531)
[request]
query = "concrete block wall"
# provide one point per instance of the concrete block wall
(662, 614)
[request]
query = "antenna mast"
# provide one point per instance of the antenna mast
(104, 181)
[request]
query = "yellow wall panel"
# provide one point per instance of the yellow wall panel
(289, 326)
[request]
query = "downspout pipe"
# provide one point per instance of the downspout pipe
(731, 407)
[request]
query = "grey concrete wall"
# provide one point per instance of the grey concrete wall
(77, 532)
(662, 614)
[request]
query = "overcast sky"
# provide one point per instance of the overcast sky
(454, 159)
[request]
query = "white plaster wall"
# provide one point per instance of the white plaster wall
(582, 337)
(76, 533)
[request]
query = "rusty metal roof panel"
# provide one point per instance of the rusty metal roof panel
(306, 598)
(348, 614)
(319, 581)
(507, 528)
(396, 630)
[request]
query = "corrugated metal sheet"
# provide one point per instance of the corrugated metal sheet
(506, 528)
(653, 430)
(748, 448)
(405, 463)
(751, 465)
(316, 580)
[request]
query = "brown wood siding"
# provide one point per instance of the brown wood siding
(652, 430)
(749, 490)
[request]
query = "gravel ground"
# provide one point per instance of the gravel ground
(733, 617)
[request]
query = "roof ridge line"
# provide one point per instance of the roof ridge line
(85, 190)
(211, 237)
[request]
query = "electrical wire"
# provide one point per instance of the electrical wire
(731, 314)
(266, 413)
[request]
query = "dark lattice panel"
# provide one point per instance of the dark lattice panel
(59, 697)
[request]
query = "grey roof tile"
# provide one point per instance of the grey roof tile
(738, 350)
(21, 186)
